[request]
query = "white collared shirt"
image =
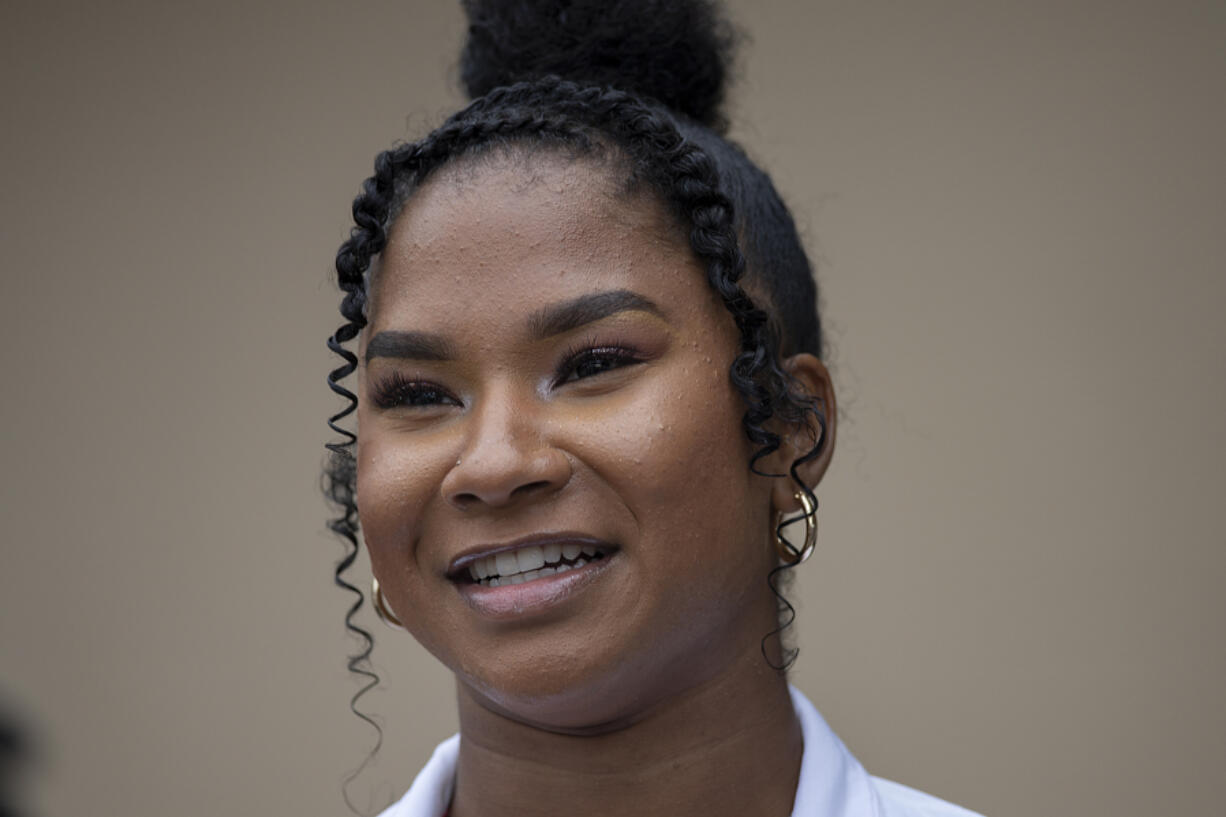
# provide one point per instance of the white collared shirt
(832, 782)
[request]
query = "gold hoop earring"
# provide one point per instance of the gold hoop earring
(384, 612)
(787, 552)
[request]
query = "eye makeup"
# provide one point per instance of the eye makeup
(395, 390)
(594, 358)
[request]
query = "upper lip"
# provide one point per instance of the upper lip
(471, 554)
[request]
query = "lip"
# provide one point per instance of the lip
(516, 601)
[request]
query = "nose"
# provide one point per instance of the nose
(507, 458)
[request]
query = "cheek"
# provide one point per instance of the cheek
(393, 489)
(395, 484)
(701, 556)
(678, 458)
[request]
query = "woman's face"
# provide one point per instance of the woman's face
(545, 380)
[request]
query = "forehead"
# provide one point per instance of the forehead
(509, 232)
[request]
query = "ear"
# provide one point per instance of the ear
(809, 377)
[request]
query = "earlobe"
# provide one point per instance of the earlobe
(813, 437)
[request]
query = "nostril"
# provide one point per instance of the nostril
(465, 501)
(531, 487)
(503, 475)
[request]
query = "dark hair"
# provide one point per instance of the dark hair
(644, 81)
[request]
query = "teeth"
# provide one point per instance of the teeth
(528, 563)
(507, 563)
(530, 558)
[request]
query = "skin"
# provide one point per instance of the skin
(645, 691)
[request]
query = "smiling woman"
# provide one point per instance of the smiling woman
(600, 420)
(589, 397)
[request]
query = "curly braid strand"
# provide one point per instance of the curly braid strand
(352, 259)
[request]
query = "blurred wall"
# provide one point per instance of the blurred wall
(1018, 214)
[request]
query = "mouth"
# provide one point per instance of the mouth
(533, 573)
(530, 562)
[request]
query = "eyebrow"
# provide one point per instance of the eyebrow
(556, 319)
(547, 322)
(410, 346)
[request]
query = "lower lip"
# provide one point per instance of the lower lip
(514, 601)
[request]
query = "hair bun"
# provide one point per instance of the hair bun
(677, 51)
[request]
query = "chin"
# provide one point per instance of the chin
(582, 691)
(561, 691)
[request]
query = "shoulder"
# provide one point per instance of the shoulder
(898, 800)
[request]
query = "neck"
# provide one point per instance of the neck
(728, 748)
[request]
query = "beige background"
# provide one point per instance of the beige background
(1020, 220)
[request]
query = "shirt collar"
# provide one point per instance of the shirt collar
(832, 781)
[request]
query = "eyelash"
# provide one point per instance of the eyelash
(617, 353)
(396, 390)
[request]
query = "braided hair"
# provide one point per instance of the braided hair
(642, 81)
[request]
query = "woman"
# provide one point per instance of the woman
(589, 396)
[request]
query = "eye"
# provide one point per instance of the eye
(595, 360)
(396, 390)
